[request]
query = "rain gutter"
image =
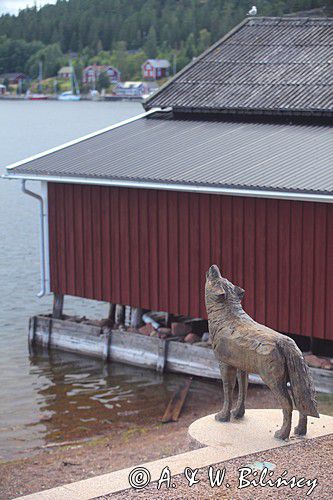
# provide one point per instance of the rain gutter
(188, 188)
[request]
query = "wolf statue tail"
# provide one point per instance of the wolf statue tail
(301, 382)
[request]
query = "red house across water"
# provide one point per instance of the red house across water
(154, 69)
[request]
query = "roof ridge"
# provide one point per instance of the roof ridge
(291, 18)
(201, 56)
(300, 44)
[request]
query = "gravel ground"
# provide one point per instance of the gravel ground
(310, 459)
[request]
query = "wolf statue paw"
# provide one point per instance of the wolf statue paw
(300, 430)
(222, 416)
(282, 434)
(238, 412)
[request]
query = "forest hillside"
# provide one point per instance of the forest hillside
(123, 32)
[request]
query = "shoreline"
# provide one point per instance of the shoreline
(50, 97)
(115, 446)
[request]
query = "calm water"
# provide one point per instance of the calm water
(59, 396)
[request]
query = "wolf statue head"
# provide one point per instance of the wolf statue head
(219, 290)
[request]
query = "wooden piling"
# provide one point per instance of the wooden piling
(120, 314)
(136, 317)
(112, 314)
(58, 305)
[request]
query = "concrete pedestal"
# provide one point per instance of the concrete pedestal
(254, 432)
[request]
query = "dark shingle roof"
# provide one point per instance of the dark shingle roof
(198, 153)
(265, 64)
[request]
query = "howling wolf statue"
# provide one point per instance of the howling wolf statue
(242, 346)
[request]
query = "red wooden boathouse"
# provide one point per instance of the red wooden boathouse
(237, 172)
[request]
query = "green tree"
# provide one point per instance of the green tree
(204, 40)
(190, 47)
(51, 57)
(151, 43)
(15, 53)
(103, 82)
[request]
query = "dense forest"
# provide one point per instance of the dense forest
(123, 32)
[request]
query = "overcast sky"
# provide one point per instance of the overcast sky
(13, 6)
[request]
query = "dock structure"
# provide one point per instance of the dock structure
(231, 163)
(160, 355)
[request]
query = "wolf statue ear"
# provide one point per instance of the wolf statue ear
(240, 292)
(219, 291)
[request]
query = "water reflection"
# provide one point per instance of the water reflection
(79, 392)
(77, 397)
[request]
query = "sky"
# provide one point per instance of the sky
(13, 6)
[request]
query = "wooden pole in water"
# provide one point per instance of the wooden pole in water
(136, 317)
(120, 314)
(112, 314)
(58, 305)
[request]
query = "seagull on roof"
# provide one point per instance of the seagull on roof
(253, 11)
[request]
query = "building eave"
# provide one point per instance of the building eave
(188, 188)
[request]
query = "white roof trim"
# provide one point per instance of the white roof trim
(253, 193)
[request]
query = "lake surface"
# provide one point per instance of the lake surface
(54, 397)
(60, 396)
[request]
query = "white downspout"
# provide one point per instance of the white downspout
(46, 236)
(42, 217)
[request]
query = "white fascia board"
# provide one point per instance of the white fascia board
(189, 188)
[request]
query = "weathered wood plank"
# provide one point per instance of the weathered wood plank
(176, 403)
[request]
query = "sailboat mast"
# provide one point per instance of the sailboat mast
(71, 73)
(40, 76)
(74, 83)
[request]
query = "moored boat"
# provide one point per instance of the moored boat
(74, 93)
(37, 97)
(69, 96)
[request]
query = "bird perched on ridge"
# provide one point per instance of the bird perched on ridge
(253, 11)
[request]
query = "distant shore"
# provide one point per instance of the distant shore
(52, 97)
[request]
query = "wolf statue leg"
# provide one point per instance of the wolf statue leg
(228, 375)
(280, 391)
(301, 428)
(242, 379)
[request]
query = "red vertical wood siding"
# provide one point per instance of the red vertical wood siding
(152, 248)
